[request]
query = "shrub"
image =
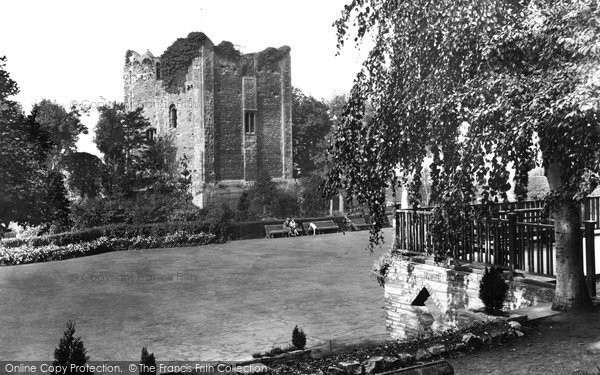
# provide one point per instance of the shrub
(70, 351)
(218, 220)
(264, 195)
(274, 351)
(151, 208)
(25, 232)
(298, 338)
(243, 205)
(493, 290)
(147, 362)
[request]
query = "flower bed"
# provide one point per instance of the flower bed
(115, 231)
(25, 253)
(395, 355)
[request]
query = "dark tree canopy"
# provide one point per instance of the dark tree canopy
(84, 173)
(120, 136)
(29, 193)
(311, 123)
(8, 87)
(484, 87)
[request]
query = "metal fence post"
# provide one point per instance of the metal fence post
(590, 256)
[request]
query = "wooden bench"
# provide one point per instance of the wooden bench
(321, 226)
(305, 227)
(273, 230)
(360, 223)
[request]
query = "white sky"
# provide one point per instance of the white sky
(73, 51)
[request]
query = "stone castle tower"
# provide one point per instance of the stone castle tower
(229, 114)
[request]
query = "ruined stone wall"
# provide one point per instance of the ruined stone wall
(243, 85)
(142, 89)
(229, 131)
(220, 85)
(274, 133)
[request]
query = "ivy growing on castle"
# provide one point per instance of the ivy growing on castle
(270, 57)
(178, 57)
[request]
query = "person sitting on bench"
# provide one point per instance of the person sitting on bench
(293, 228)
(286, 225)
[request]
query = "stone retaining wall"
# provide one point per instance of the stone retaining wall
(421, 296)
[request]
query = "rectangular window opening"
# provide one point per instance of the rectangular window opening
(249, 127)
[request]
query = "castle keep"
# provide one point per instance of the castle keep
(228, 114)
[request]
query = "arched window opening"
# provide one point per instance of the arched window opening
(172, 116)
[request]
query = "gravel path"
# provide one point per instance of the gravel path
(556, 346)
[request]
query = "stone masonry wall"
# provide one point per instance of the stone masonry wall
(210, 114)
(229, 117)
(450, 292)
(143, 90)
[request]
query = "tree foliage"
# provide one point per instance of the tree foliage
(483, 87)
(84, 173)
(63, 128)
(29, 193)
(312, 202)
(311, 123)
(120, 137)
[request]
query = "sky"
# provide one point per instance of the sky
(73, 52)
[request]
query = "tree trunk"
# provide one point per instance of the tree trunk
(571, 289)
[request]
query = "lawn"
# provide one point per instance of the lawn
(220, 302)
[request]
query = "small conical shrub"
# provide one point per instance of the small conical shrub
(71, 351)
(298, 338)
(493, 290)
(148, 363)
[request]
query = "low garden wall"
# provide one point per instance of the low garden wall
(422, 297)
